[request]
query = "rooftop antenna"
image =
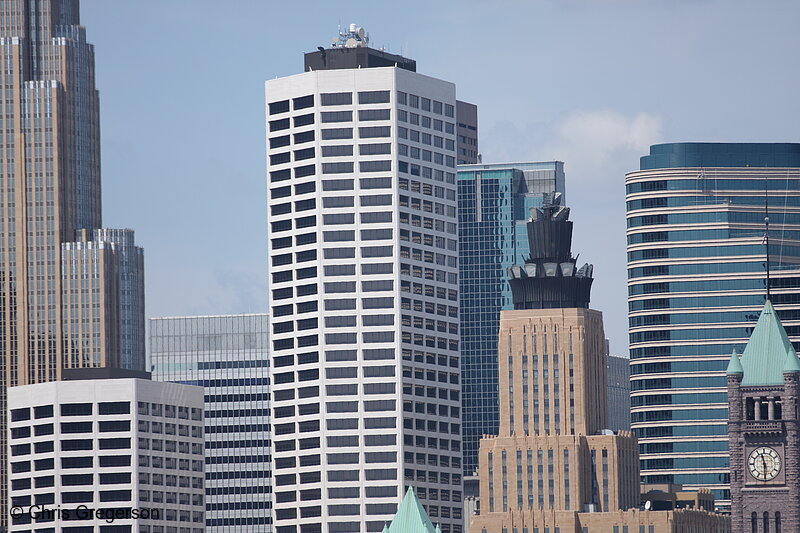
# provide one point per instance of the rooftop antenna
(766, 230)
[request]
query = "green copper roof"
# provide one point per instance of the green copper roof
(411, 517)
(768, 351)
(735, 365)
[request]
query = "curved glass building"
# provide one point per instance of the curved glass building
(696, 284)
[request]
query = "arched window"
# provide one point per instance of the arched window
(777, 522)
(766, 522)
(754, 523)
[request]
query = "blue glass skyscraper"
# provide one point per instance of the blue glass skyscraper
(696, 285)
(493, 208)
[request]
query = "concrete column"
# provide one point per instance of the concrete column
(771, 409)
(758, 408)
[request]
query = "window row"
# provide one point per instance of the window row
(71, 409)
(426, 104)
(367, 354)
(313, 374)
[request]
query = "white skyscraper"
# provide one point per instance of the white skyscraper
(363, 292)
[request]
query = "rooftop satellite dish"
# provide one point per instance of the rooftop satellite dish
(361, 32)
(351, 43)
(648, 505)
(335, 41)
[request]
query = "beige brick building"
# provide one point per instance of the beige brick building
(553, 468)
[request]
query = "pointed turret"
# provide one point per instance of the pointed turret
(768, 351)
(735, 365)
(792, 363)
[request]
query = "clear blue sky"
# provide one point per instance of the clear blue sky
(589, 82)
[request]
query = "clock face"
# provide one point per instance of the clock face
(764, 463)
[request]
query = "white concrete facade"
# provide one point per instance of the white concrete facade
(107, 444)
(364, 298)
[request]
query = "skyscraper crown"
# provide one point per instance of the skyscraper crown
(549, 278)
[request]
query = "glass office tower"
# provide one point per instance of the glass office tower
(494, 201)
(229, 357)
(696, 269)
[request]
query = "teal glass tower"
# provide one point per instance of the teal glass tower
(494, 202)
(696, 286)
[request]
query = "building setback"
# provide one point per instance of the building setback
(229, 357)
(696, 284)
(494, 201)
(49, 192)
(363, 292)
(106, 443)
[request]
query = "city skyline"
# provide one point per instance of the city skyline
(591, 113)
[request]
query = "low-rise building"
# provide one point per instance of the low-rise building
(82, 449)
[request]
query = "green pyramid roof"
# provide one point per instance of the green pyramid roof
(735, 364)
(768, 351)
(411, 517)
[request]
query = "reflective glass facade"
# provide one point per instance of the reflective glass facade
(228, 356)
(696, 284)
(493, 209)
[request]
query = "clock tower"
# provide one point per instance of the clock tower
(763, 431)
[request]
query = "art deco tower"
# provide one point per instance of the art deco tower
(553, 457)
(59, 276)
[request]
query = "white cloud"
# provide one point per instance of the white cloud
(599, 141)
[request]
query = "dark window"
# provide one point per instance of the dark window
(373, 114)
(76, 409)
(115, 444)
(342, 167)
(277, 125)
(279, 159)
(115, 425)
(337, 116)
(373, 97)
(45, 429)
(77, 497)
(338, 201)
(279, 107)
(77, 479)
(43, 411)
(115, 496)
(375, 183)
(306, 170)
(336, 98)
(114, 478)
(375, 166)
(303, 120)
(114, 408)
(23, 413)
(115, 460)
(278, 142)
(305, 153)
(76, 462)
(371, 132)
(337, 133)
(303, 102)
(304, 137)
(337, 150)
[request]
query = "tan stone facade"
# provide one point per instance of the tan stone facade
(554, 468)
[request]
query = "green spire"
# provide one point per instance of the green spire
(411, 517)
(768, 351)
(735, 365)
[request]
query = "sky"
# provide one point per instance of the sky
(592, 83)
